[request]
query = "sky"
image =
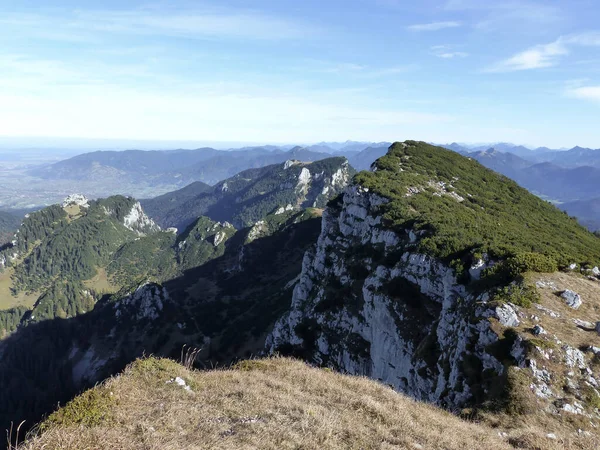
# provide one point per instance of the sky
(305, 71)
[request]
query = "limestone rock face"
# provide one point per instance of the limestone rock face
(139, 222)
(507, 316)
(147, 301)
(368, 304)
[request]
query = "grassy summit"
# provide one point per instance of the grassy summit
(262, 404)
(465, 210)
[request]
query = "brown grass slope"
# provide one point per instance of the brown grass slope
(262, 404)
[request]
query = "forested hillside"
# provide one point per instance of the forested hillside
(110, 285)
(252, 194)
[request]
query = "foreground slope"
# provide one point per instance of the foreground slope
(424, 277)
(267, 404)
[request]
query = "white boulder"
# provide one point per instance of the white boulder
(507, 316)
(572, 299)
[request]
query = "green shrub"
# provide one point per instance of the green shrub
(530, 262)
(518, 293)
(495, 216)
(91, 408)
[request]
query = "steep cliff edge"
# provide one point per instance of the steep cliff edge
(424, 277)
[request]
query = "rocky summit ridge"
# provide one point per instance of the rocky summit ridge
(400, 292)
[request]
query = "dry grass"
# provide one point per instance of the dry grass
(564, 328)
(264, 404)
(7, 300)
(559, 331)
(101, 282)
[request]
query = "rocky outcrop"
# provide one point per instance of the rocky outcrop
(146, 302)
(136, 220)
(77, 200)
(368, 303)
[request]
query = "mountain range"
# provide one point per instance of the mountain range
(440, 278)
(546, 179)
(252, 194)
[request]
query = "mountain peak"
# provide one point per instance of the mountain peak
(76, 200)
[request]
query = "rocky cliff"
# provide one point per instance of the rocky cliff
(367, 304)
(372, 301)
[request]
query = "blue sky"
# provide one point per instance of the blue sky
(303, 71)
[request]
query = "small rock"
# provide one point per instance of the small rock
(595, 350)
(598, 327)
(542, 390)
(572, 299)
(507, 316)
(583, 323)
(573, 266)
(537, 330)
(551, 313)
(551, 436)
(546, 284)
(179, 381)
(572, 409)
(535, 318)
(476, 269)
(574, 357)
(596, 272)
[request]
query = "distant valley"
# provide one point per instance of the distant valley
(34, 181)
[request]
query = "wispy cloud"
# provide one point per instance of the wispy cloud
(344, 68)
(591, 93)
(358, 70)
(433, 26)
(495, 15)
(221, 23)
(545, 55)
(447, 52)
(451, 55)
(536, 57)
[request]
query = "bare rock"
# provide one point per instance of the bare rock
(572, 299)
(507, 316)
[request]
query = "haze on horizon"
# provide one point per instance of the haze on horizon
(526, 72)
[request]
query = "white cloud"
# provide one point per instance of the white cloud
(219, 22)
(546, 55)
(451, 55)
(536, 57)
(496, 15)
(591, 93)
(356, 70)
(447, 52)
(120, 113)
(589, 39)
(434, 26)
(56, 99)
